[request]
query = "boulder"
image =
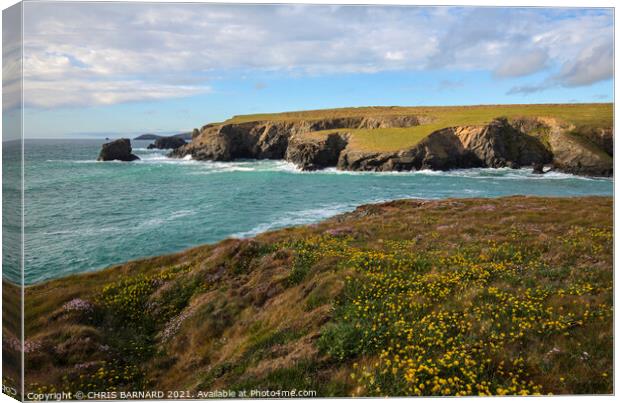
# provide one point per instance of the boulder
(167, 143)
(538, 168)
(117, 150)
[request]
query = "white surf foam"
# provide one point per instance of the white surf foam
(293, 218)
(214, 167)
(157, 221)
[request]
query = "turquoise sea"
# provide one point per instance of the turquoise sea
(83, 215)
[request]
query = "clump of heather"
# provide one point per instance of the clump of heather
(30, 346)
(78, 305)
(172, 327)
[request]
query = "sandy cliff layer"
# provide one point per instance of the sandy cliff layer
(316, 144)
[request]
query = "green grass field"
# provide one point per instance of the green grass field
(451, 297)
(581, 115)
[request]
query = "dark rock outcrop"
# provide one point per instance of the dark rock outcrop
(167, 143)
(538, 168)
(245, 140)
(351, 160)
(117, 150)
(187, 136)
(311, 153)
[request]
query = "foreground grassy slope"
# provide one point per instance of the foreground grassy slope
(582, 116)
(473, 296)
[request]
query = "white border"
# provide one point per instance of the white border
(483, 3)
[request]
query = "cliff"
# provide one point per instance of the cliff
(448, 297)
(428, 140)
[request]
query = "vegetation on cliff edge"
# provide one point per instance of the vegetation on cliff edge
(453, 297)
(582, 116)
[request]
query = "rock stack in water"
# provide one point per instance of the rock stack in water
(117, 150)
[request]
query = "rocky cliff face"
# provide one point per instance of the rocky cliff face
(270, 140)
(495, 145)
(311, 154)
(587, 154)
(261, 140)
(324, 143)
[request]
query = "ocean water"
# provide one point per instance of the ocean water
(83, 215)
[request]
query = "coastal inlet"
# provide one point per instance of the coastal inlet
(83, 215)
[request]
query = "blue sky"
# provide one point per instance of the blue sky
(107, 69)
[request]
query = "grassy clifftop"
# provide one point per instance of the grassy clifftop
(473, 296)
(573, 138)
(582, 116)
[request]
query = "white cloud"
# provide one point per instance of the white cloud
(450, 85)
(395, 56)
(48, 94)
(529, 89)
(593, 64)
(582, 47)
(159, 50)
(522, 64)
(11, 59)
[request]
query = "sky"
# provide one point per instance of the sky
(106, 69)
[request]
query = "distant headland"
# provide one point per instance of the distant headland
(150, 136)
